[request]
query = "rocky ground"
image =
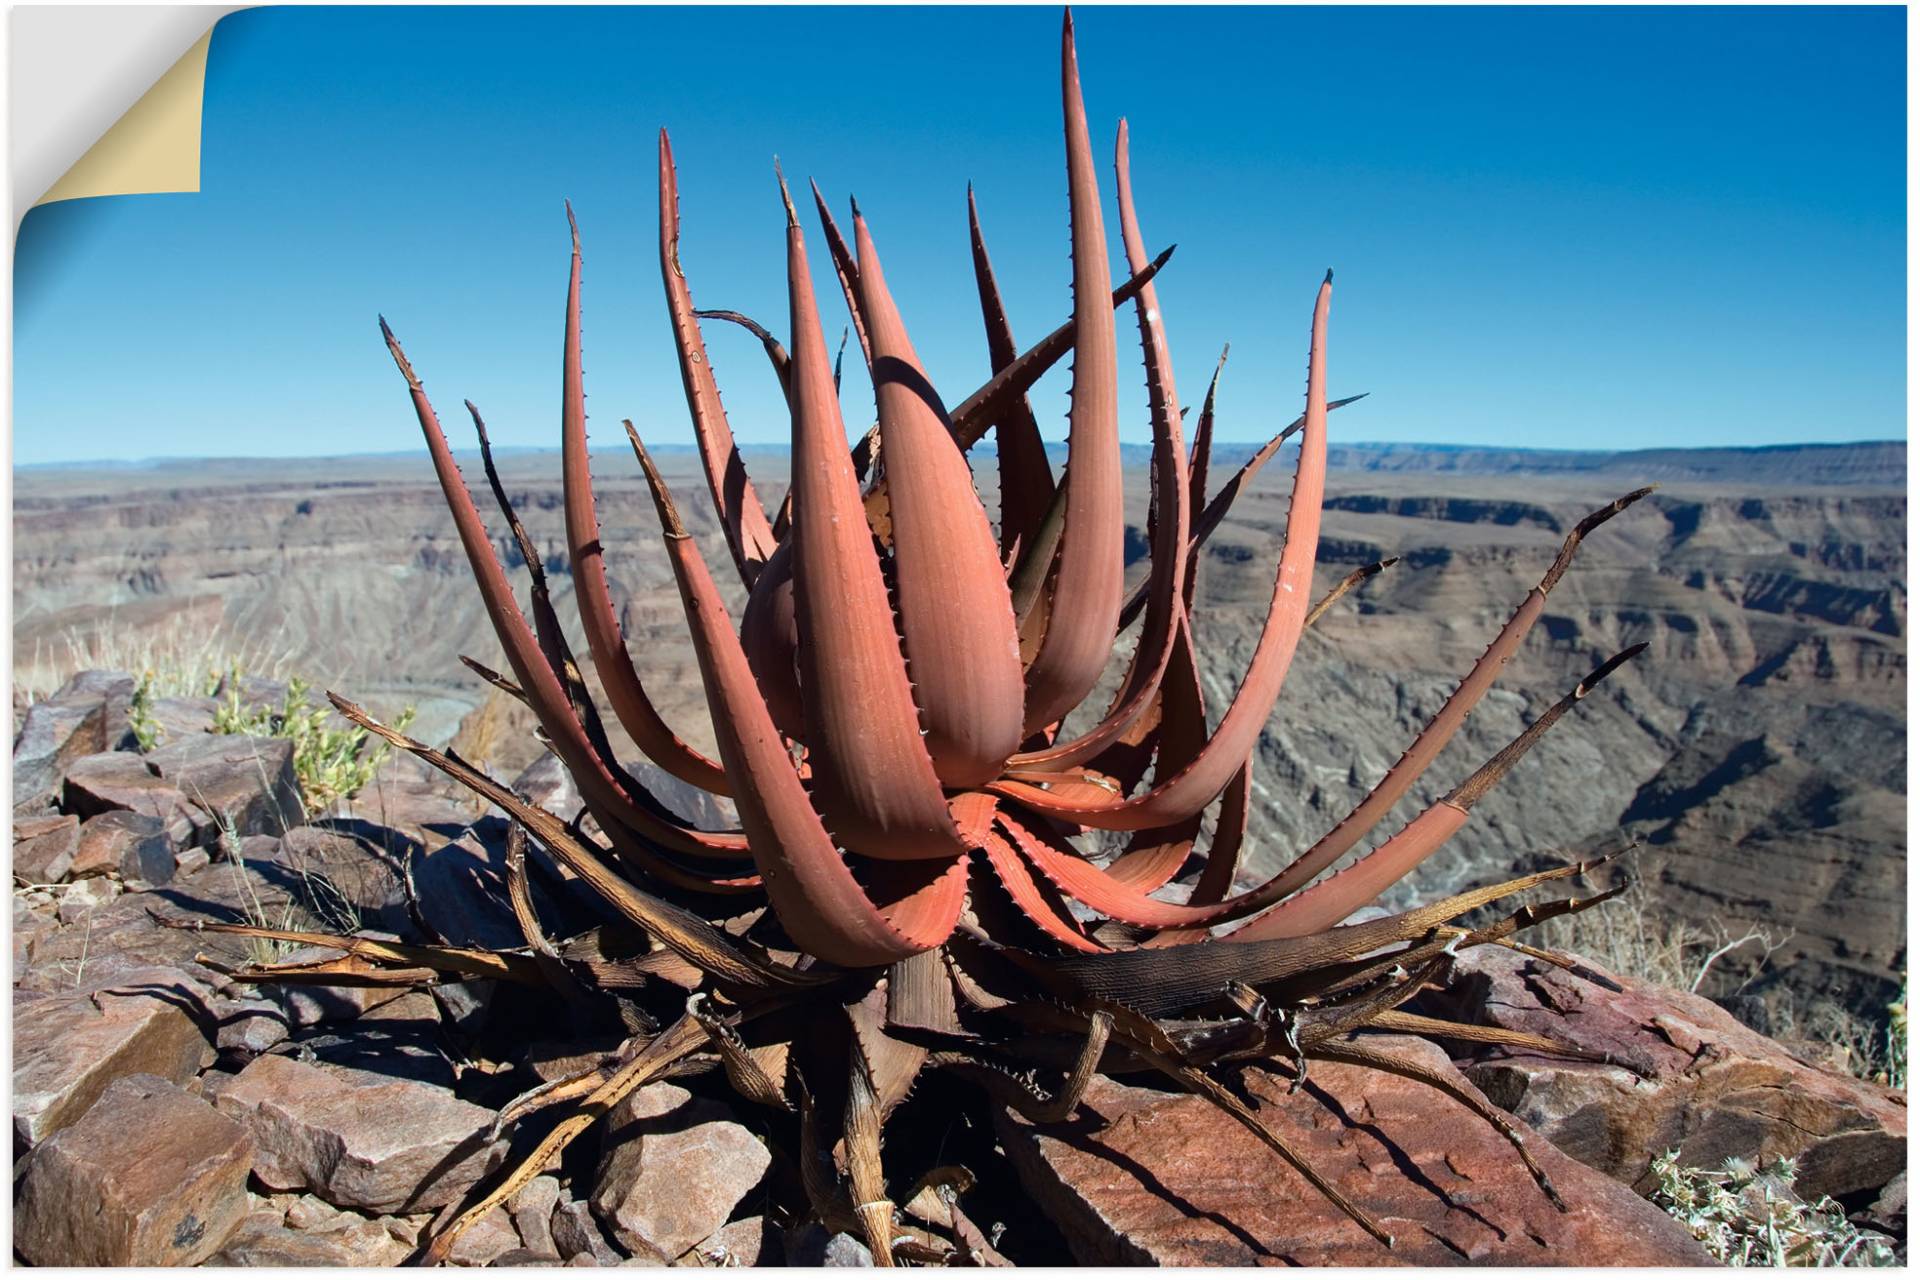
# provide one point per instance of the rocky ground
(166, 1115)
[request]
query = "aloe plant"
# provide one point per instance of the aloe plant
(888, 709)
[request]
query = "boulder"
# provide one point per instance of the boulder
(68, 1048)
(177, 718)
(814, 1246)
(532, 1208)
(54, 734)
(150, 1176)
(133, 846)
(485, 1240)
(1142, 1177)
(357, 1139)
(1700, 1082)
(43, 848)
(576, 1232)
(244, 785)
(750, 1242)
(349, 1240)
(672, 1170)
(113, 780)
(79, 901)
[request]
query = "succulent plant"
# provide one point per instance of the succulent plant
(889, 715)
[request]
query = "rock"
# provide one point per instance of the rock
(133, 846)
(311, 1005)
(151, 1176)
(358, 1139)
(80, 901)
(397, 1038)
(245, 785)
(112, 780)
(43, 848)
(1713, 1089)
(359, 875)
(67, 1049)
(485, 1240)
(576, 1231)
(527, 1258)
(532, 1208)
(673, 1170)
(177, 718)
(1150, 1178)
(750, 1242)
(547, 783)
(54, 734)
(812, 1246)
(263, 1240)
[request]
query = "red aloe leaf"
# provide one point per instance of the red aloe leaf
(749, 535)
(776, 355)
(955, 615)
(1166, 583)
(847, 269)
(973, 416)
(1060, 863)
(767, 630)
(1223, 856)
(1334, 899)
(1026, 477)
(1038, 905)
(1216, 510)
(1197, 465)
(1448, 720)
(1190, 789)
(628, 696)
(618, 800)
(816, 897)
(1091, 559)
(871, 772)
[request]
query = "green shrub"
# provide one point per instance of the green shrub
(1750, 1217)
(331, 762)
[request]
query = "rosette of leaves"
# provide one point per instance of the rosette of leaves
(907, 891)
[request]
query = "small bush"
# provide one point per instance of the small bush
(331, 762)
(1750, 1217)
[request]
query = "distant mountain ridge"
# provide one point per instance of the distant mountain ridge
(1879, 463)
(1876, 463)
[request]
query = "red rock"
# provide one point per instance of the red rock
(67, 1049)
(133, 846)
(245, 785)
(54, 734)
(1142, 1177)
(673, 1171)
(151, 1176)
(359, 1140)
(112, 780)
(43, 848)
(1714, 1089)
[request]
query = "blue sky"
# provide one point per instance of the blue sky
(1570, 228)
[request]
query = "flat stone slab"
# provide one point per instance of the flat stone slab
(1140, 1177)
(133, 846)
(151, 1176)
(43, 848)
(359, 1140)
(1702, 1083)
(68, 1048)
(673, 1171)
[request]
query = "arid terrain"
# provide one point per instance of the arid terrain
(1758, 748)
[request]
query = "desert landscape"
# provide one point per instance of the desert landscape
(1758, 749)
